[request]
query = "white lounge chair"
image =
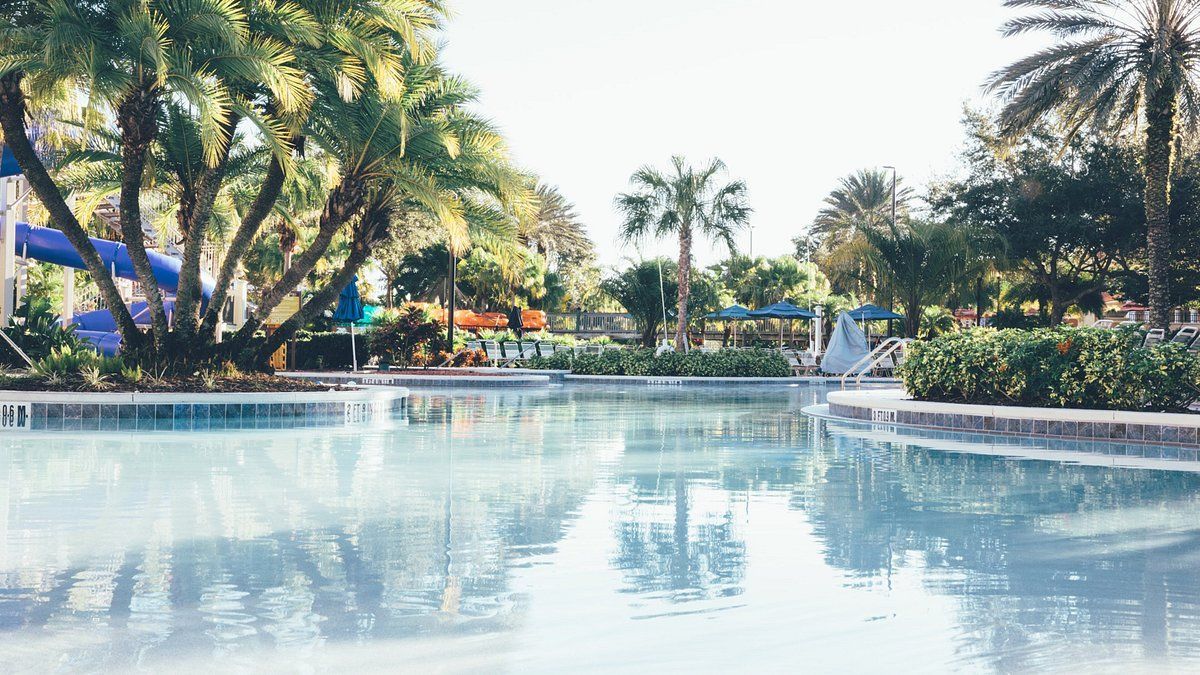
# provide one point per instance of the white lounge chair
(545, 349)
(492, 349)
(1185, 335)
(1153, 337)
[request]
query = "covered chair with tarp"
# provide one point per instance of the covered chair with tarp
(784, 311)
(350, 311)
(847, 346)
(732, 314)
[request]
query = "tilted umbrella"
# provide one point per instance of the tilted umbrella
(781, 310)
(350, 310)
(730, 313)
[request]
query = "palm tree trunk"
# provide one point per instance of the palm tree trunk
(1161, 109)
(193, 223)
(137, 119)
(12, 122)
(343, 203)
(685, 286)
(247, 230)
(371, 229)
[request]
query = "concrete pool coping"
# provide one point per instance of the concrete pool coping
(527, 377)
(895, 406)
(183, 411)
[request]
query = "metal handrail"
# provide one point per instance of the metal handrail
(877, 355)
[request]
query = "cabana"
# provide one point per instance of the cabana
(782, 311)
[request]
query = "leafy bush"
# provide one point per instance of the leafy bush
(35, 328)
(318, 351)
(409, 339)
(1053, 367)
(65, 363)
(643, 362)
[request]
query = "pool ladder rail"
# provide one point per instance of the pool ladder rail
(885, 352)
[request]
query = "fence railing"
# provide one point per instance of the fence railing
(592, 323)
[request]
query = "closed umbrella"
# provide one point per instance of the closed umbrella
(781, 310)
(350, 310)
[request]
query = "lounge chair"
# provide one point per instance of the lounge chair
(1153, 337)
(1185, 335)
(511, 352)
(563, 348)
(492, 349)
(545, 349)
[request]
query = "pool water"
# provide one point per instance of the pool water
(587, 529)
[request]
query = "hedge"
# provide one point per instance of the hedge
(724, 363)
(1054, 368)
(314, 351)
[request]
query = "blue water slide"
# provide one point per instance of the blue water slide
(52, 246)
(99, 327)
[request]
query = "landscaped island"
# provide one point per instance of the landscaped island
(1054, 368)
(643, 362)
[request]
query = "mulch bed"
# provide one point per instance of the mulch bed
(244, 384)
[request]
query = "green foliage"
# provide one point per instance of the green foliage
(1053, 367)
(935, 321)
(35, 329)
(319, 351)
(69, 362)
(1015, 317)
(643, 362)
(401, 341)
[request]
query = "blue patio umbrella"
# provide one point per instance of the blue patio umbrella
(730, 313)
(781, 310)
(869, 312)
(350, 310)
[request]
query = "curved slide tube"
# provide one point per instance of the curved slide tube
(99, 327)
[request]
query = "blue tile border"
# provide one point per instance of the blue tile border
(206, 416)
(1184, 438)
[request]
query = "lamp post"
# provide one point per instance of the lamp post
(893, 193)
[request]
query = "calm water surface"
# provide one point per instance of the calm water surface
(578, 529)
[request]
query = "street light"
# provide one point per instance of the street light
(893, 194)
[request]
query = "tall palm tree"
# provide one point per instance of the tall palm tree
(862, 198)
(1116, 61)
(683, 201)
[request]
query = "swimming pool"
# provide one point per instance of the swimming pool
(599, 528)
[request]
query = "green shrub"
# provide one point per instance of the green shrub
(643, 362)
(35, 328)
(317, 351)
(1053, 367)
(407, 339)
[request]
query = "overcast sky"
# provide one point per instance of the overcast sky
(792, 95)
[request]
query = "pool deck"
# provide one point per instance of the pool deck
(525, 377)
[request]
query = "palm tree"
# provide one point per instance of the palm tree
(920, 261)
(1117, 61)
(862, 198)
(682, 202)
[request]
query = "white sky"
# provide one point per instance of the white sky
(791, 94)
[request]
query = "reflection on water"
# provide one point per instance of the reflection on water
(614, 528)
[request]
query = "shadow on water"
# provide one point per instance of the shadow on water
(122, 551)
